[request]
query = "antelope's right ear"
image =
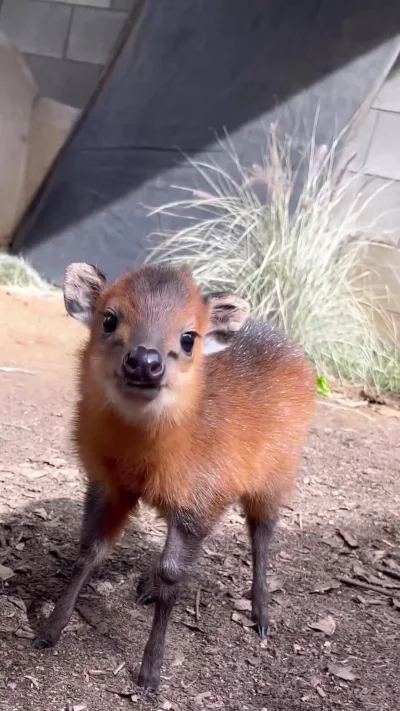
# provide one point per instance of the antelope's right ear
(83, 284)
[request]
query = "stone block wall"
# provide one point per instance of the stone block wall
(374, 171)
(66, 43)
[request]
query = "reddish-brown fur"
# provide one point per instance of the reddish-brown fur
(232, 441)
(226, 427)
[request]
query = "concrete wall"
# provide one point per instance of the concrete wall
(65, 42)
(374, 171)
(373, 179)
(32, 131)
(189, 70)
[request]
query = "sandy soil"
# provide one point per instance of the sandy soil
(343, 523)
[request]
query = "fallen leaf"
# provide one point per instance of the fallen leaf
(41, 513)
(348, 538)
(24, 634)
(5, 573)
(90, 616)
(80, 707)
(392, 565)
(193, 626)
(327, 625)
(342, 672)
(178, 661)
(102, 627)
(9, 626)
(275, 583)
(124, 693)
(32, 680)
(242, 605)
(55, 462)
(32, 474)
(202, 697)
(242, 620)
(322, 589)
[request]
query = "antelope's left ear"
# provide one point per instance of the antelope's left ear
(227, 315)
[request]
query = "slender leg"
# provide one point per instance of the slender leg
(261, 526)
(102, 521)
(182, 547)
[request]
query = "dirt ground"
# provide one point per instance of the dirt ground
(332, 645)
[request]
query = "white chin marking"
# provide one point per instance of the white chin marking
(139, 408)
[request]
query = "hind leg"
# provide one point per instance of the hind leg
(261, 522)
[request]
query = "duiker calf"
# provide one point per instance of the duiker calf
(190, 405)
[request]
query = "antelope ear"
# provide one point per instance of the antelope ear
(227, 315)
(83, 284)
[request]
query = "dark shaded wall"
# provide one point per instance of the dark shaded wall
(189, 70)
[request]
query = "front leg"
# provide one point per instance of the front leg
(182, 547)
(102, 522)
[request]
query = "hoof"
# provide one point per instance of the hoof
(149, 682)
(42, 643)
(144, 596)
(262, 631)
(145, 599)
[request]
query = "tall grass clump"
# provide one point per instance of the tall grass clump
(290, 255)
(18, 275)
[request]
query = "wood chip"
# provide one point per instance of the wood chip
(366, 586)
(197, 606)
(7, 369)
(119, 668)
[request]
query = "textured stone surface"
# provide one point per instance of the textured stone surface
(36, 27)
(122, 4)
(71, 83)
(383, 159)
(388, 98)
(361, 144)
(93, 34)
(88, 3)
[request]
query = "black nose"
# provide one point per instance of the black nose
(143, 365)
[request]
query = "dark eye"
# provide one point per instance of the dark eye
(187, 342)
(110, 322)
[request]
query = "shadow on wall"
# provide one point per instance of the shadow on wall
(32, 131)
(190, 70)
